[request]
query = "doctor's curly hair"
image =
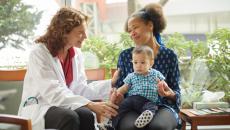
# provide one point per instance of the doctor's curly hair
(61, 24)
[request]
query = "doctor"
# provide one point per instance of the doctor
(55, 92)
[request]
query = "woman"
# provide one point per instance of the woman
(143, 27)
(55, 93)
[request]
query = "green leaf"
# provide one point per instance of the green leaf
(17, 22)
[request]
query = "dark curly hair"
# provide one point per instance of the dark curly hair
(63, 22)
(152, 12)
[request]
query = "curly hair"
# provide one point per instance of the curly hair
(63, 22)
(152, 12)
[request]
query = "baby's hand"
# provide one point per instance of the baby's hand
(113, 96)
(116, 97)
(115, 77)
(119, 98)
(163, 89)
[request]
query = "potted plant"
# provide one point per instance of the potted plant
(12, 75)
(219, 61)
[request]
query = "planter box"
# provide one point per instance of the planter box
(95, 74)
(12, 75)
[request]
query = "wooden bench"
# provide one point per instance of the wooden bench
(203, 120)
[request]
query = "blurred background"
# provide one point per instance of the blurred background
(197, 30)
(191, 18)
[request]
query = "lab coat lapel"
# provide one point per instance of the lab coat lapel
(58, 68)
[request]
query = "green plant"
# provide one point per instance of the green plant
(107, 52)
(17, 22)
(178, 43)
(218, 64)
(219, 60)
(184, 48)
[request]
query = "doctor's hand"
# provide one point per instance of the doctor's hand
(106, 109)
(164, 90)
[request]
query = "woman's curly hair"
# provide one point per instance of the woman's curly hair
(151, 12)
(61, 24)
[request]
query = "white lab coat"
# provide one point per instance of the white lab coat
(45, 80)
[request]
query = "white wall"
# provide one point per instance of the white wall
(197, 23)
(183, 16)
(185, 7)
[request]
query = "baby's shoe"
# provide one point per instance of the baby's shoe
(144, 119)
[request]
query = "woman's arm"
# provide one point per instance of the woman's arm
(174, 77)
(115, 77)
(173, 96)
(125, 65)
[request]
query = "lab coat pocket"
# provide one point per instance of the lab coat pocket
(33, 112)
(30, 111)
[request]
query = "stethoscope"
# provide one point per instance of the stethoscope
(30, 101)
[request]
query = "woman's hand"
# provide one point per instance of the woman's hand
(106, 109)
(164, 90)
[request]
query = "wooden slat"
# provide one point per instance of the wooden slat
(12, 75)
(12, 119)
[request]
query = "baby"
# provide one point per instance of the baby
(140, 87)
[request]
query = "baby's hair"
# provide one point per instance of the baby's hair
(144, 50)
